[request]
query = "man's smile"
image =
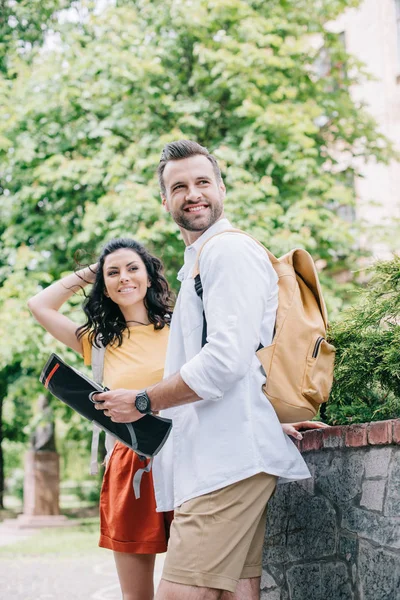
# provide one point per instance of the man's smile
(195, 207)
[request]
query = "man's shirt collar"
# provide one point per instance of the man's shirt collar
(220, 225)
(192, 250)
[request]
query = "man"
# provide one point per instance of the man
(219, 468)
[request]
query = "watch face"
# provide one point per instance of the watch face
(142, 403)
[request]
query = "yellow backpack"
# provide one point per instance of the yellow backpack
(299, 363)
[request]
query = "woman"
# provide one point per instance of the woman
(128, 310)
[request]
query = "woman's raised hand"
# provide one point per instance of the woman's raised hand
(45, 306)
(88, 274)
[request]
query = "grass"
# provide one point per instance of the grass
(62, 541)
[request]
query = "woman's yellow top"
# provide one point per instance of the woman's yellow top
(138, 362)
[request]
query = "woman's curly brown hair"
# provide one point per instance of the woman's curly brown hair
(105, 322)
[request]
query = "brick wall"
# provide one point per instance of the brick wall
(336, 536)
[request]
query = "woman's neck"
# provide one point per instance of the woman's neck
(135, 315)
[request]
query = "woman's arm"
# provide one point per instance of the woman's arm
(46, 304)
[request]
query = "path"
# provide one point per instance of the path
(86, 577)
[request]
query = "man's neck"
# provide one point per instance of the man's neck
(189, 237)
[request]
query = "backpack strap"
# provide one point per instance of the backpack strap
(98, 362)
(198, 286)
(196, 268)
(97, 371)
(137, 478)
(98, 354)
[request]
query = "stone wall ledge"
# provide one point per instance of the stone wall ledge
(377, 433)
(336, 535)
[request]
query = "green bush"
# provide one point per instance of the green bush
(81, 492)
(367, 338)
(88, 492)
(15, 484)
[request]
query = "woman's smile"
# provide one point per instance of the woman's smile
(127, 290)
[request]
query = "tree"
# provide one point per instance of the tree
(23, 26)
(87, 121)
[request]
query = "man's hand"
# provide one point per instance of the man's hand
(119, 405)
(292, 429)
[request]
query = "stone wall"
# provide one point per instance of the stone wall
(336, 536)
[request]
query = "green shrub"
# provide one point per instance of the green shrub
(88, 492)
(367, 338)
(15, 484)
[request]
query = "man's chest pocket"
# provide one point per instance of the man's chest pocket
(191, 309)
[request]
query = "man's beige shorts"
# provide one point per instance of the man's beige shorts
(217, 539)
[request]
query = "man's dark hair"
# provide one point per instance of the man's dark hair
(183, 149)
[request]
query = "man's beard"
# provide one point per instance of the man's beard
(183, 221)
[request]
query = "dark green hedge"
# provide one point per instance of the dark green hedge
(367, 337)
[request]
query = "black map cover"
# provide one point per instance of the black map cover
(146, 436)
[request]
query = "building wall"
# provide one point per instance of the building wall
(371, 35)
(336, 536)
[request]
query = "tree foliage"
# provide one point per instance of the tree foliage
(23, 27)
(262, 83)
(88, 120)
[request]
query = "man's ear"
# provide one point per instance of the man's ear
(164, 203)
(222, 188)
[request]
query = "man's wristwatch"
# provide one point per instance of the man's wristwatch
(142, 403)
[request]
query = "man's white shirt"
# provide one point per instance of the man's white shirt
(233, 432)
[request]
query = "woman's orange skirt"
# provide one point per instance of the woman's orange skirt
(128, 524)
